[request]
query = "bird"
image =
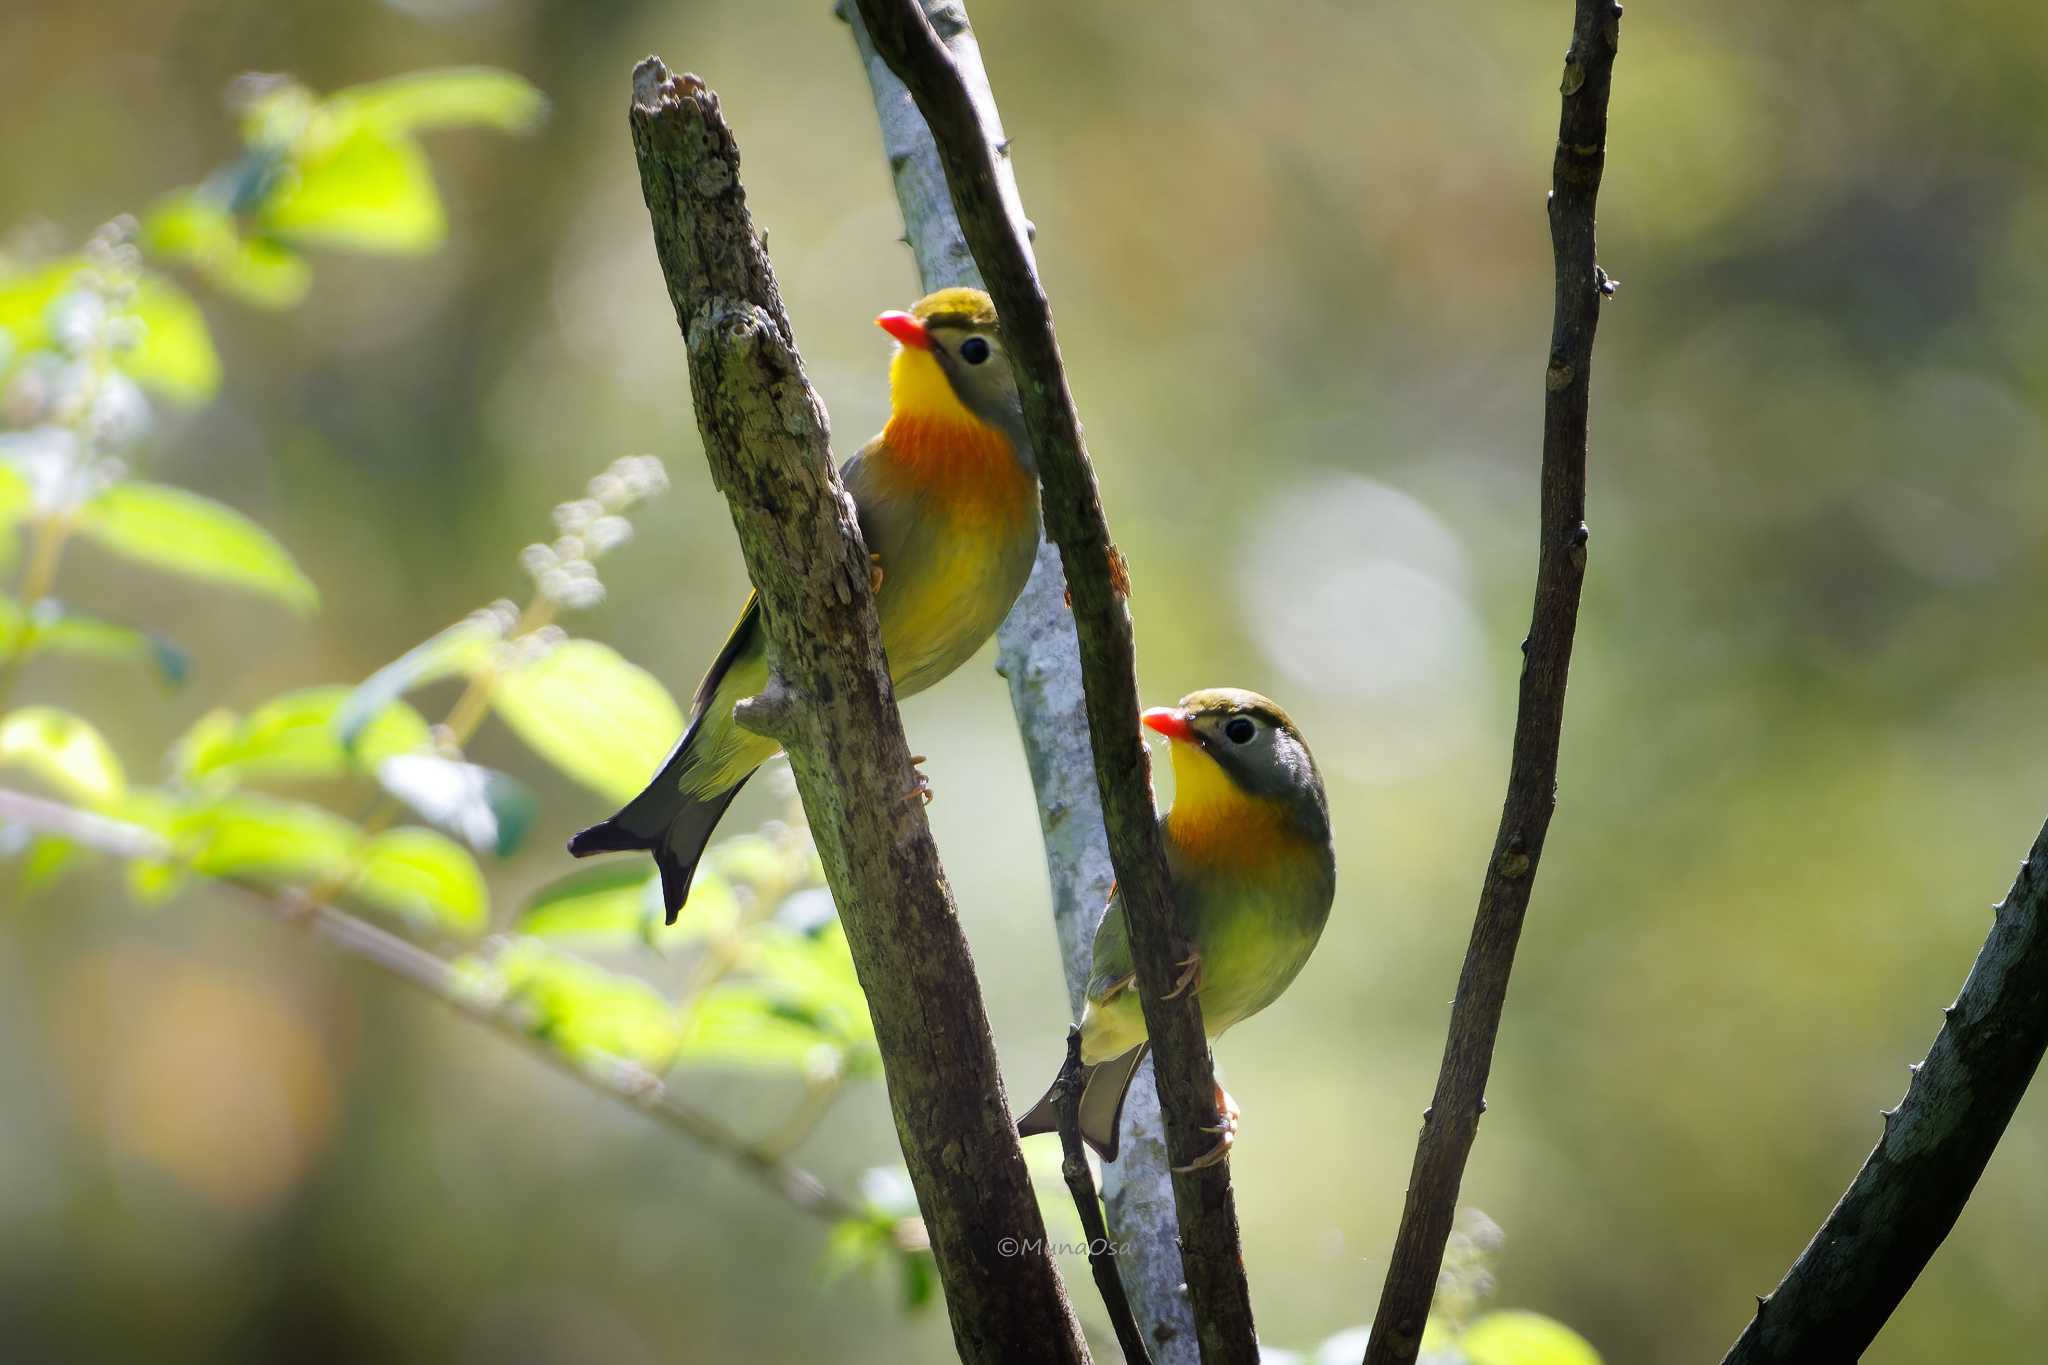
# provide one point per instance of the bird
(1253, 872)
(947, 500)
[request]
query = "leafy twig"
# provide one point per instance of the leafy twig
(1914, 1183)
(1452, 1120)
(1074, 521)
(625, 1081)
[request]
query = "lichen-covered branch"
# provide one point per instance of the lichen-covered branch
(1096, 581)
(1039, 656)
(1452, 1120)
(766, 440)
(1915, 1182)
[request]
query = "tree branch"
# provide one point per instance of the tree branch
(1038, 655)
(1097, 583)
(1452, 1120)
(1912, 1187)
(765, 438)
(620, 1079)
(1074, 1169)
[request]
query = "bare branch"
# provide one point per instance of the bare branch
(1039, 656)
(1838, 1294)
(1074, 1168)
(765, 438)
(1074, 521)
(1452, 1120)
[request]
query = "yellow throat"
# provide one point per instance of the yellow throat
(1217, 824)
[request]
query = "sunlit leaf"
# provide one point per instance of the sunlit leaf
(25, 301)
(176, 355)
(367, 190)
(195, 228)
(54, 629)
(460, 649)
(603, 721)
(618, 902)
(47, 860)
(15, 497)
(448, 97)
(1517, 1337)
(267, 840)
(487, 809)
(295, 737)
(424, 876)
(586, 1010)
(172, 529)
(64, 751)
(611, 901)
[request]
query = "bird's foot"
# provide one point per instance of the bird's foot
(874, 573)
(1190, 975)
(920, 785)
(1225, 1129)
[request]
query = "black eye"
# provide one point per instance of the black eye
(974, 350)
(1240, 730)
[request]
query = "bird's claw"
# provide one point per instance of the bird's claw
(1190, 976)
(1225, 1129)
(874, 573)
(920, 785)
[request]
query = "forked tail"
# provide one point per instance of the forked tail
(1101, 1111)
(674, 829)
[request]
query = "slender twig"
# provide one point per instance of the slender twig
(831, 707)
(1102, 1253)
(1452, 1120)
(1039, 657)
(1098, 583)
(622, 1080)
(1912, 1187)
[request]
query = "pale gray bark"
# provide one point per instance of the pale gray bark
(1039, 657)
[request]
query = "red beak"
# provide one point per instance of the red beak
(1170, 721)
(906, 329)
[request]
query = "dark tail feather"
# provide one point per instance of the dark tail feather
(677, 845)
(1101, 1110)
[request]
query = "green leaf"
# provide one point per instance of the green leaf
(63, 751)
(1524, 1338)
(746, 1024)
(172, 529)
(195, 228)
(487, 809)
(464, 647)
(46, 861)
(266, 840)
(15, 498)
(176, 357)
(25, 301)
(53, 629)
(294, 737)
(587, 1011)
(366, 190)
(448, 97)
(611, 901)
(619, 903)
(424, 876)
(603, 721)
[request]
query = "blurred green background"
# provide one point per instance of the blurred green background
(1302, 276)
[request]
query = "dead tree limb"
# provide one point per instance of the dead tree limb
(1452, 1120)
(1914, 1183)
